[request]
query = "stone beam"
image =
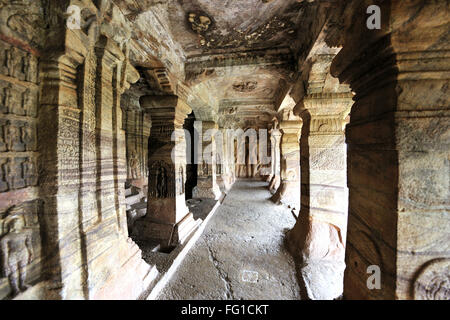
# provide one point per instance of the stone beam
(198, 68)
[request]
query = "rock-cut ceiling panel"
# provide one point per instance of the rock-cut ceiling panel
(203, 26)
(233, 50)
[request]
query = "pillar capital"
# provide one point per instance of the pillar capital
(291, 130)
(291, 127)
(329, 104)
(327, 112)
(164, 110)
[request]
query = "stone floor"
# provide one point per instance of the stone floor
(241, 253)
(151, 253)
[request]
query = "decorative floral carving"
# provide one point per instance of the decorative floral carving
(433, 282)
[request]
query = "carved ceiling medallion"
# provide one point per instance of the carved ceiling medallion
(199, 22)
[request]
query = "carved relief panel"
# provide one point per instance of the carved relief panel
(137, 135)
(17, 63)
(181, 179)
(18, 115)
(18, 100)
(161, 180)
(20, 247)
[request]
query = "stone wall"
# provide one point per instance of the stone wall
(21, 207)
(64, 221)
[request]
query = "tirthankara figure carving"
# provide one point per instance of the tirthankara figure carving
(180, 184)
(2, 138)
(11, 173)
(5, 100)
(9, 62)
(134, 165)
(161, 185)
(17, 253)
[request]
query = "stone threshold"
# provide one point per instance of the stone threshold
(168, 263)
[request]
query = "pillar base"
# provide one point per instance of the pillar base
(133, 277)
(168, 235)
(288, 193)
(274, 183)
(319, 246)
(323, 280)
(205, 190)
(220, 183)
(228, 181)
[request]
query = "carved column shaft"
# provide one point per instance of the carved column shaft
(137, 127)
(206, 180)
(275, 138)
(228, 171)
(82, 167)
(110, 139)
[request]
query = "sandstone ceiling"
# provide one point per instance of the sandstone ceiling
(232, 59)
(218, 26)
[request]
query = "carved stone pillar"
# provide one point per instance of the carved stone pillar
(168, 219)
(289, 189)
(398, 151)
(228, 167)
(207, 186)
(275, 138)
(271, 169)
(319, 234)
(220, 161)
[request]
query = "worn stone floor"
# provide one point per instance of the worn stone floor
(241, 254)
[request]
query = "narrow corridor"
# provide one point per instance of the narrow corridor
(241, 253)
